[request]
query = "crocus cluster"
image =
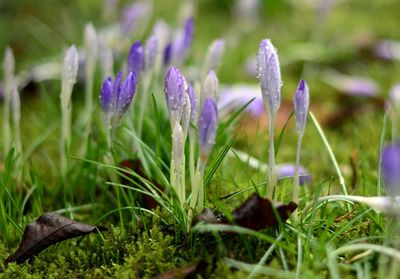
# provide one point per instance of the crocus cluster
(270, 82)
(115, 98)
(182, 107)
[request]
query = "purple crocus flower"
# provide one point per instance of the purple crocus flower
(236, 96)
(150, 53)
(388, 49)
(115, 97)
(193, 102)
(301, 102)
(178, 50)
(134, 15)
(269, 74)
(167, 54)
(207, 127)
(288, 170)
(188, 35)
(174, 90)
(351, 85)
(390, 164)
(136, 58)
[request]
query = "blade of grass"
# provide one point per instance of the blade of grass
(331, 154)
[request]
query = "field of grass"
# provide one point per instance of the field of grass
(123, 181)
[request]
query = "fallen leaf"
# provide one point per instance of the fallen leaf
(188, 271)
(258, 213)
(255, 213)
(48, 229)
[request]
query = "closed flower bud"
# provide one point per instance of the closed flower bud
(210, 87)
(179, 49)
(214, 55)
(126, 93)
(115, 97)
(150, 53)
(136, 58)
(174, 90)
(106, 94)
(301, 103)
(207, 127)
(69, 74)
(269, 75)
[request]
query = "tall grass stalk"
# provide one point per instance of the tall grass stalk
(331, 154)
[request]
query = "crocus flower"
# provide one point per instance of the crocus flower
(269, 75)
(210, 87)
(174, 90)
(390, 164)
(214, 55)
(116, 96)
(236, 96)
(189, 31)
(388, 49)
(136, 58)
(69, 73)
(301, 102)
(394, 95)
(207, 127)
(136, 15)
(150, 53)
(351, 85)
(289, 170)
(180, 46)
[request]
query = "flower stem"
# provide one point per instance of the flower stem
(271, 161)
(296, 181)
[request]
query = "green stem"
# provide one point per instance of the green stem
(65, 138)
(271, 161)
(296, 181)
(192, 138)
(200, 202)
